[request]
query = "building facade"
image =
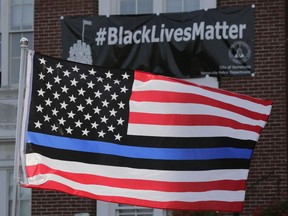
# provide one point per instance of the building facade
(39, 21)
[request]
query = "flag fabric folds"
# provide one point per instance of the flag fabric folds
(137, 138)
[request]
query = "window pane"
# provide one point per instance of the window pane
(25, 205)
(128, 210)
(183, 5)
(15, 65)
(15, 45)
(191, 5)
(145, 6)
(16, 17)
(25, 194)
(173, 6)
(27, 17)
(15, 2)
(127, 7)
(28, 1)
(22, 15)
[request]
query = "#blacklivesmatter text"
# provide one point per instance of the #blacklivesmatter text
(152, 34)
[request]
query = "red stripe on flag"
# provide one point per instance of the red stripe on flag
(138, 184)
(188, 120)
(175, 205)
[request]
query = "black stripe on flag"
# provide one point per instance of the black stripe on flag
(111, 160)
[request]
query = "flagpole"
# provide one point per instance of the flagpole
(16, 176)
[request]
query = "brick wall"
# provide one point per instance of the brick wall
(268, 176)
(47, 40)
(56, 203)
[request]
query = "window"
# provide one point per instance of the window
(127, 210)
(136, 6)
(24, 198)
(17, 18)
(111, 209)
(7, 188)
(110, 7)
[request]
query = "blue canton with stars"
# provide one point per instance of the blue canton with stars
(79, 101)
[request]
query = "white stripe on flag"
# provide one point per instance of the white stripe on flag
(190, 131)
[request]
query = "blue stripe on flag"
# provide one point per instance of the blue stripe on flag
(136, 151)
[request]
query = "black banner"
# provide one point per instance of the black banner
(215, 42)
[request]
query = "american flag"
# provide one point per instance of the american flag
(138, 138)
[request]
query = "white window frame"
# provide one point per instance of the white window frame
(112, 7)
(6, 34)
